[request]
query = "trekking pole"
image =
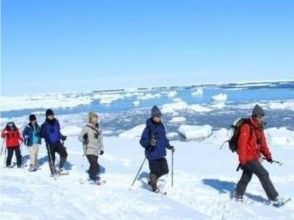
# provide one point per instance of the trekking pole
(4, 159)
(278, 162)
(275, 161)
(138, 171)
(172, 174)
(51, 165)
(2, 148)
(221, 147)
(4, 152)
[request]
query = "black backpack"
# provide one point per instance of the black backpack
(86, 138)
(235, 133)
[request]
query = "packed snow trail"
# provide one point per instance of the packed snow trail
(204, 178)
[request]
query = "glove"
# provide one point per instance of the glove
(270, 160)
(101, 152)
(152, 142)
(172, 148)
(63, 137)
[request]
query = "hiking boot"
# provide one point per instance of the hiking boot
(278, 201)
(153, 181)
(238, 198)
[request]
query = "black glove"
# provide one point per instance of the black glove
(63, 137)
(270, 160)
(152, 142)
(172, 148)
(101, 152)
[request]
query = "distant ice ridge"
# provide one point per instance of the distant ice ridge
(194, 132)
(178, 119)
(43, 101)
(197, 92)
(135, 132)
(219, 101)
(277, 137)
(180, 105)
(270, 105)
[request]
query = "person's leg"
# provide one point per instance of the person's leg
(264, 179)
(36, 151)
(32, 156)
(18, 156)
(153, 166)
(9, 156)
(61, 150)
(243, 182)
(162, 168)
(93, 170)
(51, 157)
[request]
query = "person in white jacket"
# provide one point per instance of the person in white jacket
(92, 139)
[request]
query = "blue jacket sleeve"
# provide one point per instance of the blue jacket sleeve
(167, 145)
(25, 132)
(43, 131)
(59, 132)
(145, 139)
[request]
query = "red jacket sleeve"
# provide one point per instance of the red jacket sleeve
(242, 143)
(4, 133)
(263, 146)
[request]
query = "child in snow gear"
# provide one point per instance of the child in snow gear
(92, 139)
(32, 139)
(13, 142)
(50, 131)
(155, 143)
(251, 144)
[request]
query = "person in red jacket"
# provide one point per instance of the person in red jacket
(13, 142)
(251, 146)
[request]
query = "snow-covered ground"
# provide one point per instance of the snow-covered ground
(196, 119)
(204, 178)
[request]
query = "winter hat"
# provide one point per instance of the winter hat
(155, 112)
(32, 117)
(49, 112)
(257, 111)
(92, 115)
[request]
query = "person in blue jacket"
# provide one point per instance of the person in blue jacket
(50, 131)
(155, 143)
(32, 139)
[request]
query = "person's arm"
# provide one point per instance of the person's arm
(19, 137)
(264, 148)
(62, 137)
(100, 140)
(25, 134)
(83, 132)
(43, 131)
(167, 144)
(242, 143)
(4, 133)
(145, 139)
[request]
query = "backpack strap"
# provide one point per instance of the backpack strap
(94, 129)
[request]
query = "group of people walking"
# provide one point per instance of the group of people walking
(251, 146)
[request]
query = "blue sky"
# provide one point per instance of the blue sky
(77, 45)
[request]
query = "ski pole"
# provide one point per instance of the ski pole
(138, 172)
(4, 159)
(172, 174)
(51, 165)
(278, 162)
(2, 148)
(275, 161)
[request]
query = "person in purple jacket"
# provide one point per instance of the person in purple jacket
(50, 131)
